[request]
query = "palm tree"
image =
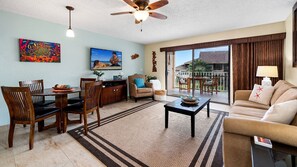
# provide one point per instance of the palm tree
(199, 66)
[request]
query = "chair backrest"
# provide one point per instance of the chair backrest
(19, 103)
(132, 77)
(92, 95)
(34, 86)
(83, 82)
(215, 80)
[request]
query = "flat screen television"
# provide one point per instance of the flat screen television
(102, 59)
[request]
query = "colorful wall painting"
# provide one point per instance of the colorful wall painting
(38, 51)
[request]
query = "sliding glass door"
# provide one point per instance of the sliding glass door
(200, 72)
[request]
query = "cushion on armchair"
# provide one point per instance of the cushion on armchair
(139, 82)
(144, 90)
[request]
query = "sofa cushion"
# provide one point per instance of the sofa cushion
(294, 122)
(279, 83)
(254, 112)
(261, 94)
(290, 94)
(244, 116)
(245, 103)
(282, 112)
(144, 90)
(279, 91)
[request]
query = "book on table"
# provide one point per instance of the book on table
(262, 141)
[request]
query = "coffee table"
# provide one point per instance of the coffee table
(178, 107)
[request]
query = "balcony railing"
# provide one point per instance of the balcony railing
(223, 82)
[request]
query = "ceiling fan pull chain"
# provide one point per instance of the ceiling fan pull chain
(141, 27)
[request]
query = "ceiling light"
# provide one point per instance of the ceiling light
(141, 15)
(70, 32)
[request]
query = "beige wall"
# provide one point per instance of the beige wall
(290, 72)
(239, 33)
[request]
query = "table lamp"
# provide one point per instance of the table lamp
(266, 72)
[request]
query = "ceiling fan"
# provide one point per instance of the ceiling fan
(143, 9)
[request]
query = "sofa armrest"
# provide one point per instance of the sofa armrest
(149, 85)
(282, 133)
(242, 94)
(237, 135)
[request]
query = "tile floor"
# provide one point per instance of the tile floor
(58, 150)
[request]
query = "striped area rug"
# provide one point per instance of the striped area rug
(137, 137)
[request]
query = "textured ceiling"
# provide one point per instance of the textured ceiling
(185, 17)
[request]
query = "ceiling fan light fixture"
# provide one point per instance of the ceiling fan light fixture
(141, 15)
(70, 32)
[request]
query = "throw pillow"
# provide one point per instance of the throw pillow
(281, 113)
(139, 82)
(261, 94)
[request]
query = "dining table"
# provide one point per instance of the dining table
(201, 80)
(61, 99)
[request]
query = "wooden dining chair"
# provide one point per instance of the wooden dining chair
(36, 86)
(21, 111)
(80, 97)
(90, 104)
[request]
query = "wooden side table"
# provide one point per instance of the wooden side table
(280, 155)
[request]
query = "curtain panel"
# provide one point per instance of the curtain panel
(247, 57)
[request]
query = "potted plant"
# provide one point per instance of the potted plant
(148, 78)
(98, 73)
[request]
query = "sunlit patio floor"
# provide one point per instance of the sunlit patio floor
(220, 97)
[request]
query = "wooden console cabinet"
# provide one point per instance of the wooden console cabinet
(113, 91)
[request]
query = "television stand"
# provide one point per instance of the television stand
(113, 91)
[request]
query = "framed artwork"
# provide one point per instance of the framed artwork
(102, 59)
(38, 51)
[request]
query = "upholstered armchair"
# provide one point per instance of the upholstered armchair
(140, 92)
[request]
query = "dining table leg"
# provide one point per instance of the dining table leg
(201, 86)
(61, 102)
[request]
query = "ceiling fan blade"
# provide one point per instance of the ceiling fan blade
(157, 4)
(158, 15)
(131, 3)
(119, 13)
(137, 22)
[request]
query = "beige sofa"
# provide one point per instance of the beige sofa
(244, 122)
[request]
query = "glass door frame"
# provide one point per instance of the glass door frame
(193, 56)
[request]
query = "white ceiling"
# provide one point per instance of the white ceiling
(185, 17)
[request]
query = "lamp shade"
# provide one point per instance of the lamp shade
(141, 15)
(70, 33)
(267, 71)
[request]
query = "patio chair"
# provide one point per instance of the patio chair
(183, 84)
(212, 83)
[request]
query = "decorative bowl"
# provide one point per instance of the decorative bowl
(189, 99)
(190, 102)
(62, 87)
